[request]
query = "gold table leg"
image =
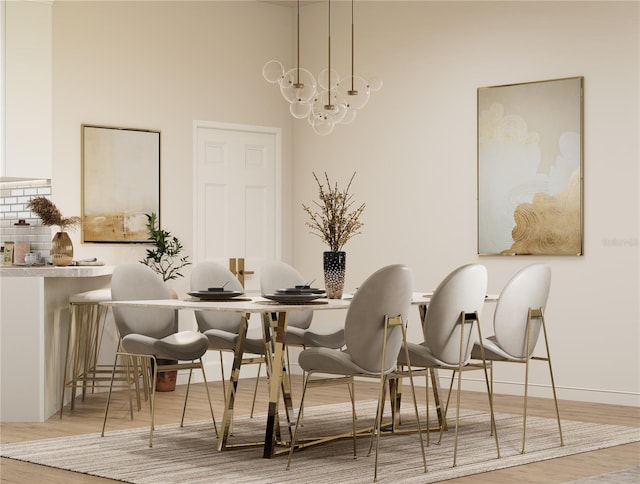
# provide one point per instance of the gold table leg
(227, 416)
(277, 381)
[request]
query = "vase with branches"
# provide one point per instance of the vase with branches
(164, 258)
(61, 245)
(335, 219)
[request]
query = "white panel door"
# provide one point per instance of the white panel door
(237, 202)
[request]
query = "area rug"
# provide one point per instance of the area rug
(189, 454)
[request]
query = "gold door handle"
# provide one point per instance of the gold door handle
(241, 267)
(236, 266)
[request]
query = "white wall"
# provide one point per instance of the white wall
(414, 150)
(26, 90)
(161, 65)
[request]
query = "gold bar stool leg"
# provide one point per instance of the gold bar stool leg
(81, 368)
(66, 357)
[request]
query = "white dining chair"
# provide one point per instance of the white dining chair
(375, 329)
(152, 334)
(277, 275)
(452, 318)
(222, 328)
(517, 321)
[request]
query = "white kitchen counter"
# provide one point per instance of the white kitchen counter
(34, 323)
(55, 271)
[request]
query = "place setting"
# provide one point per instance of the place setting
(218, 294)
(300, 294)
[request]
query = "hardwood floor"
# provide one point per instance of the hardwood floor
(87, 418)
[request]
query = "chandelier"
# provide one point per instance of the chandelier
(327, 100)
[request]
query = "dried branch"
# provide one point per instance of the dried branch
(50, 215)
(335, 222)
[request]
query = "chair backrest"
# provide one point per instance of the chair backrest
(208, 274)
(528, 288)
(463, 290)
(133, 282)
(386, 292)
(276, 275)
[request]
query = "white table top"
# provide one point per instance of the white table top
(259, 304)
(238, 305)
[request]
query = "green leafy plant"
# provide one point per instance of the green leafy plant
(335, 222)
(165, 258)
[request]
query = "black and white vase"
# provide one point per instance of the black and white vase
(334, 267)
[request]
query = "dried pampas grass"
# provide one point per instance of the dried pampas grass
(50, 215)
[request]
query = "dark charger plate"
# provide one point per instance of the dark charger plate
(286, 298)
(300, 290)
(215, 295)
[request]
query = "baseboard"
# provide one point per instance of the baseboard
(591, 395)
(213, 371)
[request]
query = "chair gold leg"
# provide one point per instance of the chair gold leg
(526, 378)
(455, 445)
(206, 387)
(128, 372)
(154, 377)
(255, 390)
(224, 380)
(378, 424)
(294, 438)
(136, 380)
(415, 403)
(106, 409)
(524, 413)
(553, 384)
(352, 393)
(186, 397)
(352, 390)
(494, 430)
(426, 400)
(446, 406)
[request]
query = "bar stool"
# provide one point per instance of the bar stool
(81, 368)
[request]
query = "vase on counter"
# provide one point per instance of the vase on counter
(334, 263)
(61, 249)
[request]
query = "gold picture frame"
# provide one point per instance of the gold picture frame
(120, 183)
(530, 168)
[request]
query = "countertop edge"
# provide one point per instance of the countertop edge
(55, 271)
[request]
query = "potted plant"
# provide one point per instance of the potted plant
(165, 259)
(61, 245)
(335, 222)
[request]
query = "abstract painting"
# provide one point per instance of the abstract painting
(120, 183)
(530, 168)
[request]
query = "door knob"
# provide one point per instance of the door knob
(236, 266)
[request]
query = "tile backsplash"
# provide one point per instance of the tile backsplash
(14, 197)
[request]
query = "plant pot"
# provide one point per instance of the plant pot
(166, 380)
(334, 268)
(61, 249)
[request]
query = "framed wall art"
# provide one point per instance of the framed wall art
(120, 183)
(530, 168)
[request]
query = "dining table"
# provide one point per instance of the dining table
(275, 319)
